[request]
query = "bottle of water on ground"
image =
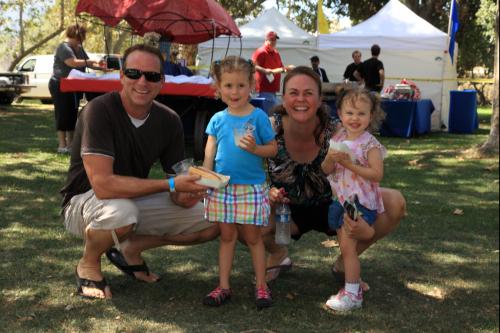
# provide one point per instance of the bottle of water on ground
(282, 235)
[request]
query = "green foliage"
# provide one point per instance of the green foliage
(34, 19)
(485, 17)
(240, 9)
(303, 13)
(475, 48)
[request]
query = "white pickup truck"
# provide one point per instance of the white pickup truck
(39, 69)
(11, 85)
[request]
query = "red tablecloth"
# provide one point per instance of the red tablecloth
(183, 89)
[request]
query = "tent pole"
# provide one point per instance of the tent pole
(241, 46)
(213, 49)
(444, 94)
(227, 47)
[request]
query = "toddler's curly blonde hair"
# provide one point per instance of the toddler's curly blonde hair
(356, 94)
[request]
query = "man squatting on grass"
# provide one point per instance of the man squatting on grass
(108, 198)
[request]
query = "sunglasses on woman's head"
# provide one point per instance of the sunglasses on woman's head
(135, 74)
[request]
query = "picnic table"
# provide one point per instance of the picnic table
(195, 103)
(103, 86)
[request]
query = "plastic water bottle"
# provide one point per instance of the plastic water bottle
(282, 233)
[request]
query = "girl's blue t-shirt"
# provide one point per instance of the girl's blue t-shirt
(243, 167)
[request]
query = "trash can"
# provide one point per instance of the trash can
(463, 116)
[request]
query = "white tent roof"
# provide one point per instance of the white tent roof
(395, 26)
(253, 33)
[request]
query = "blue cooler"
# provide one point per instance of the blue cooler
(258, 102)
(463, 116)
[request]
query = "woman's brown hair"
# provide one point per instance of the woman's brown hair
(76, 31)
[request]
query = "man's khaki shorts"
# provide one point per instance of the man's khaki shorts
(154, 214)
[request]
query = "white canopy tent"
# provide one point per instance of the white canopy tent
(295, 45)
(411, 47)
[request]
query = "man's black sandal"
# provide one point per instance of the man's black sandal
(117, 259)
(81, 282)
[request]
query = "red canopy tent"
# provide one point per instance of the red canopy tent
(184, 22)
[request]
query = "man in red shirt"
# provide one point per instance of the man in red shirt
(268, 67)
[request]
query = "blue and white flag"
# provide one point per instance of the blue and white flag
(454, 25)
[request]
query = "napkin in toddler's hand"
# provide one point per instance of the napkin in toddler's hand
(342, 147)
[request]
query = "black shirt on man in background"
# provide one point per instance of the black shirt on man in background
(370, 72)
(349, 71)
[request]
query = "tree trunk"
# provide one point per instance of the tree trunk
(26, 52)
(108, 40)
(490, 146)
(21, 26)
(118, 45)
(479, 88)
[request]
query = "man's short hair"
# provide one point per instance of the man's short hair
(143, 48)
(314, 58)
(355, 52)
(375, 50)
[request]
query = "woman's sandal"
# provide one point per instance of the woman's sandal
(274, 271)
(81, 282)
(117, 259)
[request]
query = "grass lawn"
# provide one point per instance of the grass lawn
(438, 272)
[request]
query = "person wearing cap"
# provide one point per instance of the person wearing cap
(268, 69)
(320, 71)
(352, 70)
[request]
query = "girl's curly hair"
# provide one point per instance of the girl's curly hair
(355, 94)
(232, 64)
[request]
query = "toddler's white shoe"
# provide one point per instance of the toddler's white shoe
(345, 301)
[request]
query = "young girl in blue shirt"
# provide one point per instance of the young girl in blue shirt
(241, 208)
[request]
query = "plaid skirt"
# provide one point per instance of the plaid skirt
(241, 204)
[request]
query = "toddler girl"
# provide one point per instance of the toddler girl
(354, 177)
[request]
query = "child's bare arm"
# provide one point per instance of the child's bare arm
(210, 151)
(269, 149)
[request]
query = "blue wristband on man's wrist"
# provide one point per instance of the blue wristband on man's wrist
(171, 184)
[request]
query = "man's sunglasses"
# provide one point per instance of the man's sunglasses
(135, 74)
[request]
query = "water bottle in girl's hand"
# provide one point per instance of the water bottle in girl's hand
(282, 233)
